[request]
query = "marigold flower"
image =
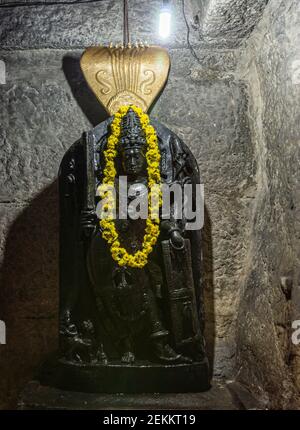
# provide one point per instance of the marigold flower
(109, 232)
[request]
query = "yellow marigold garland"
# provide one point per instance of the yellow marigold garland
(109, 232)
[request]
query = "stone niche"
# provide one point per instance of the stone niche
(233, 96)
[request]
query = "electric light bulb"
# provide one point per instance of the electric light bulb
(164, 23)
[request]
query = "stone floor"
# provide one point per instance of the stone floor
(36, 396)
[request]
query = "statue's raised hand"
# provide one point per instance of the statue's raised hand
(177, 240)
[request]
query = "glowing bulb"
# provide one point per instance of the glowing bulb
(164, 23)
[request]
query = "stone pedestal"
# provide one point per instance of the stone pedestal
(131, 379)
(36, 396)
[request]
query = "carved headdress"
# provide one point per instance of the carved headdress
(132, 134)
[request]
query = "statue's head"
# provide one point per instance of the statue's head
(132, 144)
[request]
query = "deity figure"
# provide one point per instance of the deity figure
(125, 328)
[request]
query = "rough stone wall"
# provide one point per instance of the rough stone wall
(226, 22)
(225, 108)
(266, 360)
(45, 106)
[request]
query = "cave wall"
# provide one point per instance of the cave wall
(226, 23)
(221, 104)
(266, 359)
(45, 106)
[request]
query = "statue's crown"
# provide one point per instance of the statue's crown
(132, 134)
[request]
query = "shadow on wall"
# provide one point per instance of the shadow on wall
(208, 285)
(85, 98)
(29, 273)
(29, 293)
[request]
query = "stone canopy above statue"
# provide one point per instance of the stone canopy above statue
(126, 75)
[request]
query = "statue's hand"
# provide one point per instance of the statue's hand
(176, 239)
(88, 222)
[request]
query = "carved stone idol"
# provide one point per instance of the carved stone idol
(124, 328)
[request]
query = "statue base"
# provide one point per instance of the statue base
(40, 397)
(139, 377)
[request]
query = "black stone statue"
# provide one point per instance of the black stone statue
(126, 329)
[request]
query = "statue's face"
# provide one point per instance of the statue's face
(133, 161)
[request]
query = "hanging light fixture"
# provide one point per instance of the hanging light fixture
(165, 19)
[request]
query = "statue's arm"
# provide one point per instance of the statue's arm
(174, 234)
(185, 171)
(174, 227)
(88, 218)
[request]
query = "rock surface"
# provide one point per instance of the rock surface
(226, 22)
(233, 107)
(266, 359)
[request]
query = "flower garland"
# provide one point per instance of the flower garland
(109, 233)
